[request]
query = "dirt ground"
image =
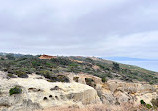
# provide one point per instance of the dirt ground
(124, 107)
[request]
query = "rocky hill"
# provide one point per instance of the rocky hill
(28, 83)
(22, 65)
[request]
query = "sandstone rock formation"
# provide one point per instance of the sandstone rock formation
(119, 92)
(39, 93)
(132, 92)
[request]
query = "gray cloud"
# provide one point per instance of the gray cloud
(80, 27)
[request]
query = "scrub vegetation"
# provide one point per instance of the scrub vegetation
(17, 65)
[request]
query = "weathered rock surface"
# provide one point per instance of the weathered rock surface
(119, 92)
(37, 94)
(128, 92)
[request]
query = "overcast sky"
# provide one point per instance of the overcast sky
(103, 28)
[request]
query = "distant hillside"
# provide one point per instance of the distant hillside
(18, 65)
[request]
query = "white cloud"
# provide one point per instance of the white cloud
(141, 45)
(80, 27)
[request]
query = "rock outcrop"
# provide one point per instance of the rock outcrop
(115, 91)
(39, 93)
(119, 92)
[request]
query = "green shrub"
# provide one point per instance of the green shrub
(103, 67)
(36, 63)
(58, 78)
(21, 74)
(44, 72)
(47, 74)
(2, 58)
(151, 82)
(11, 75)
(73, 65)
(142, 102)
(89, 60)
(116, 66)
(10, 56)
(15, 90)
(62, 78)
(103, 79)
(61, 61)
(148, 106)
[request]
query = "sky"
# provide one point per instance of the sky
(102, 28)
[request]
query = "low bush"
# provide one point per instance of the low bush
(116, 67)
(62, 78)
(21, 74)
(142, 102)
(21, 65)
(58, 78)
(46, 73)
(145, 105)
(11, 75)
(103, 79)
(15, 90)
(148, 106)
